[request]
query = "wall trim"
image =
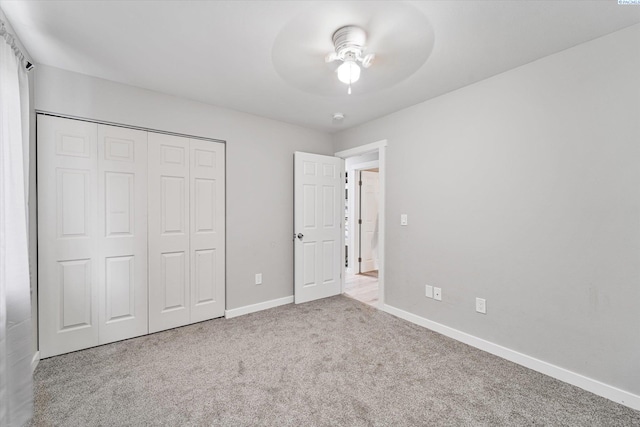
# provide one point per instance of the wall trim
(361, 149)
(240, 311)
(34, 361)
(596, 387)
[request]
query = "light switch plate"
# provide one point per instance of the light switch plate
(259, 279)
(437, 294)
(428, 291)
(481, 305)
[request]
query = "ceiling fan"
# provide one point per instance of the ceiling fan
(349, 43)
(382, 43)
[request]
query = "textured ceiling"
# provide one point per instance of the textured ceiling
(233, 54)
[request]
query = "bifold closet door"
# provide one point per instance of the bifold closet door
(186, 231)
(207, 246)
(68, 260)
(122, 219)
(168, 231)
(92, 234)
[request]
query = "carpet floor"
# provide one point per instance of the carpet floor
(333, 362)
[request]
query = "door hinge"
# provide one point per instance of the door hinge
(359, 259)
(360, 183)
(360, 221)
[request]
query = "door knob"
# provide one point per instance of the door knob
(300, 236)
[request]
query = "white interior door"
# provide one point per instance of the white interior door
(68, 261)
(122, 240)
(207, 230)
(169, 261)
(369, 196)
(318, 226)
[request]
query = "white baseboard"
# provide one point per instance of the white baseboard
(257, 307)
(596, 387)
(35, 361)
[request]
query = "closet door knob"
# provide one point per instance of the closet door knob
(300, 236)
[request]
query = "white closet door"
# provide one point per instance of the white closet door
(168, 186)
(67, 234)
(122, 219)
(207, 230)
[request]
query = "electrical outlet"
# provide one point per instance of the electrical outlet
(437, 294)
(404, 220)
(481, 305)
(259, 279)
(428, 291)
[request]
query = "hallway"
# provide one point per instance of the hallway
(363, 287)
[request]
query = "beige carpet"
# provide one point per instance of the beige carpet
(334, 362)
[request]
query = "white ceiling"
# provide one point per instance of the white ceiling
(230, 53)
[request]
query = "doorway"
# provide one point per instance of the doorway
(364, 223)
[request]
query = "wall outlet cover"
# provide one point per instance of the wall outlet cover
(481, 305)
(437, 294)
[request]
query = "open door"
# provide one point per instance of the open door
(369, 195)
(318, 226)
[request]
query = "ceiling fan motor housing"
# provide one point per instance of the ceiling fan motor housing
(349, 41)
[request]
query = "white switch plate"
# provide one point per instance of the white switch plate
(428, 291)
(437, 294)
(403, 219)
(259, 279)
(481, 305)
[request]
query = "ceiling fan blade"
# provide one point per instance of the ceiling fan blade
(368, 60)
(331, 57)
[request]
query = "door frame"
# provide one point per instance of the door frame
(381, 148)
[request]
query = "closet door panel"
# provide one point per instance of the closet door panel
(68, 261)
(169, 260)
(207, 230)
(122, 220)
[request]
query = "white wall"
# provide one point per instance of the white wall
(259, 168)
(524, 189)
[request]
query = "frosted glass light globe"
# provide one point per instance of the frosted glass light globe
(348, 72)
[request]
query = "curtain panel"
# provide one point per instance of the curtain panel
(16, 390)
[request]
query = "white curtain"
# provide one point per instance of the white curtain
(16, 391)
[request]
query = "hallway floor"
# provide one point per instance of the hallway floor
(363, 287)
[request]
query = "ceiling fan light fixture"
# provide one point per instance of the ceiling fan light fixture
(349, 44)
(348, 72)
